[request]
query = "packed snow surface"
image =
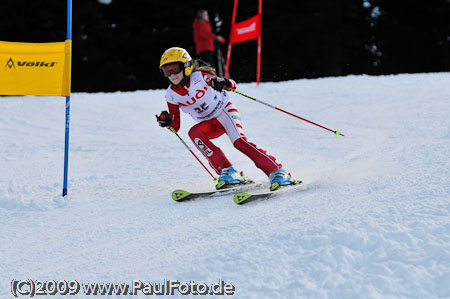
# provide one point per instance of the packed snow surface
(373, 220)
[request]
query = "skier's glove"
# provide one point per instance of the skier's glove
(164, 119)
(219, 84)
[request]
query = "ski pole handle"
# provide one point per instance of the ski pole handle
(284, 111)
(179, 137)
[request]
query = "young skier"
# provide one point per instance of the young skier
(197, 91)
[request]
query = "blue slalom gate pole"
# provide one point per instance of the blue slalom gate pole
(66, 145)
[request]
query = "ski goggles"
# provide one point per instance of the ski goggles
(171, 69)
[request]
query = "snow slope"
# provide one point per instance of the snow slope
(372, 222)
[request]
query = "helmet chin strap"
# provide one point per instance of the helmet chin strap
(185, 79)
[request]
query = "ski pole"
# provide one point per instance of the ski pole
(291, 114)
(173, 130)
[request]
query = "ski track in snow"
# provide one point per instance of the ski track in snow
(372, 222)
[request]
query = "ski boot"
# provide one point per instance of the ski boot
(280, 178)
(230, 177)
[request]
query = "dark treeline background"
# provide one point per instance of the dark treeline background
(117, 45)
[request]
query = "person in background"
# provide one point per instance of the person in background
(204, 37)
(196, 90)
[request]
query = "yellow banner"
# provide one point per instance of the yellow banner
(35, 68)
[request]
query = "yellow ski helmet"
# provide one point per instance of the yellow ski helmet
(176, 54)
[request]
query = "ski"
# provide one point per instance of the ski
(183, 195)
(244, 197)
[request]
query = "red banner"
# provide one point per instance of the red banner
(246, 30)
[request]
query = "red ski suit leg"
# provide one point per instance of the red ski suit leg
(201, 135)
(229, 122)
(259, 156)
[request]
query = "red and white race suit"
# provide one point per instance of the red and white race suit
(215, 115)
